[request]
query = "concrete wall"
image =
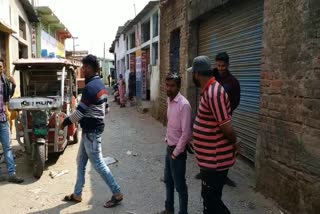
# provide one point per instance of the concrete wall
(16, 11)
(120, 51)
(120, 47)
(288, 150)
(154, 83)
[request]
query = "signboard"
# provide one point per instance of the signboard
(132, 62)
(138, 69)
(144, 68)
(33, 40)
(35, 103)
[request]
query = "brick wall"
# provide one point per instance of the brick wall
(173, 16)
(288, 150)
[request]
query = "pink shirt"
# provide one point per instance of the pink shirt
(179, 127)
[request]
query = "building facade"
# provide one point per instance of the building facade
(136, 49)
(16, 20)
(51, 34)
(142, 50)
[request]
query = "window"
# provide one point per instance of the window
(132, 40)
(127, 42)
(145, 32)
(155, 21)
(22, 29)
(175, 51)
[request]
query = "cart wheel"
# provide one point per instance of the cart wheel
(39, 161)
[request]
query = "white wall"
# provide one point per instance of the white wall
(120, 48)
(154, 83)
(16, 11)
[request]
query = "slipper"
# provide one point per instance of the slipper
(114, 201)
(72, 198)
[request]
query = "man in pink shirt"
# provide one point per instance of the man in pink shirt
(179, 134)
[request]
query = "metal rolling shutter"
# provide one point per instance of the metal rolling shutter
(237, 29)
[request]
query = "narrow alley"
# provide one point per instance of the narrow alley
(136, 141)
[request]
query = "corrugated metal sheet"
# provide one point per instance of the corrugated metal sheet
(237, 29)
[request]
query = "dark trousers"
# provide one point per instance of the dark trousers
(212, 186)
(175, 178)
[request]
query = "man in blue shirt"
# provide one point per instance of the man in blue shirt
(90, 113)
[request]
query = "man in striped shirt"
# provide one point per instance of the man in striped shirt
(90, 113)
(214, 137)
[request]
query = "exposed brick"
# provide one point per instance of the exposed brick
(173, 16)
(288, 156)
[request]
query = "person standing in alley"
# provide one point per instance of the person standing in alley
(91, 113)
(227, 80)
(122, 91)
(132, 85)
(7, 88)
(231, 86)
(179, 134)
(214, 138)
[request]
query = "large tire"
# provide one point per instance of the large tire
(39, 160)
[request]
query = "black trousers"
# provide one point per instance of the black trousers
(175, 178)
(212, 186)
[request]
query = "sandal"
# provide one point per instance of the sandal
(114, 201)
(72, 198)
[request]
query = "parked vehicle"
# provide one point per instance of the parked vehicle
(48, 94)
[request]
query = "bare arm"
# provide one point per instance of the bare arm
(229, 132)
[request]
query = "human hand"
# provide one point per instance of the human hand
(11, 79)
(173, 157)
(237, 145)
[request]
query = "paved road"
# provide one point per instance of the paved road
(139, 176)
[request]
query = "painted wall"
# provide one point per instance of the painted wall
(50, 47)
(120, 51)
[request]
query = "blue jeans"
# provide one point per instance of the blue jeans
(175, 177)
(6, 146)
(90, 148)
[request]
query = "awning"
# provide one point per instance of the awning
(48, 17)
(6, 28)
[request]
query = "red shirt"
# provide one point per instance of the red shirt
(213, 149)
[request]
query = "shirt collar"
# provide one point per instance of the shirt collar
(210, 82)
(177, 98)
(91, 78)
